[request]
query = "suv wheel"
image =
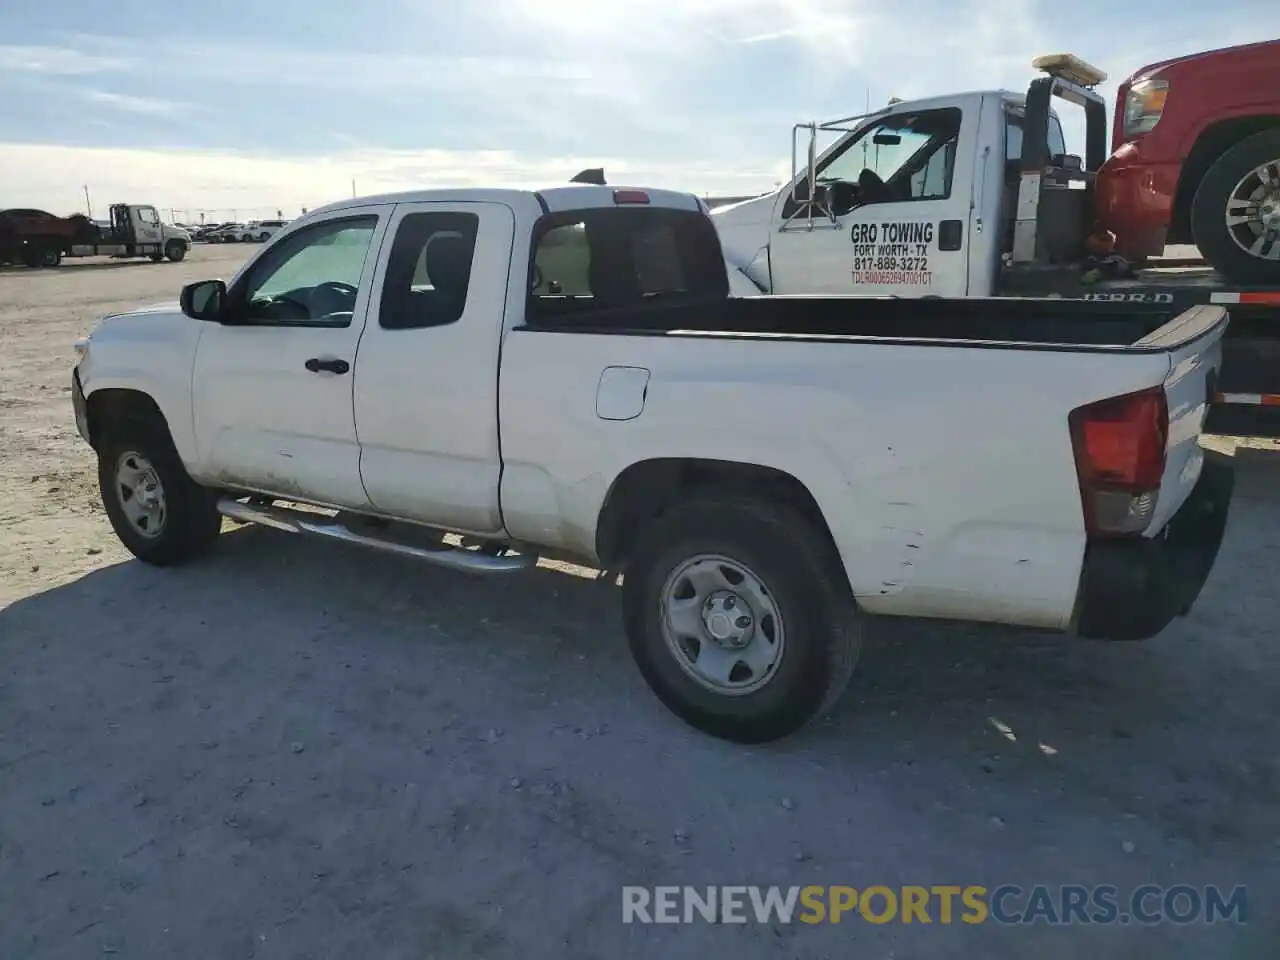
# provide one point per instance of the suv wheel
(1235, 217)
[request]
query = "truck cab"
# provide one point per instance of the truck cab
(141, 224)
(924, 198)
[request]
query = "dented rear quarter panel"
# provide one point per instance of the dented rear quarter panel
(945, 473)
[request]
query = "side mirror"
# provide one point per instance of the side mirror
(206, 300)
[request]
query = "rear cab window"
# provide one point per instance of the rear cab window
(598, 266)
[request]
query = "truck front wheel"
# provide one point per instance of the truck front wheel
(1235, 217)
(175, 250)
(160, 514)
(739, 618)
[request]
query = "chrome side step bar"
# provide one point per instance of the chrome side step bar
(319, 525)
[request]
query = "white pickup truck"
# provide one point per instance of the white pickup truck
(563, 374)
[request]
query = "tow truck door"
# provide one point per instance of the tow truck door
(146, 224)
(897, 216)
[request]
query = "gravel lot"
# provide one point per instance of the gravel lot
(302, 750)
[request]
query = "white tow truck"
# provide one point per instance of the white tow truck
(563, 374)
(40, 239)
(136, 230)
(976, 195)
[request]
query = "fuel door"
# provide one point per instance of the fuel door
(621, 393)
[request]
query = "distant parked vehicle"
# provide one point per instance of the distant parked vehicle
(261, 231)
(40, 239)
(227, 233)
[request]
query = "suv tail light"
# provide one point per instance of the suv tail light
(1119, 445)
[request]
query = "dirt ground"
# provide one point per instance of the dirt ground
(301, 750)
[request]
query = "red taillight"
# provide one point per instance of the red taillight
(1120, 445)
(630, 196)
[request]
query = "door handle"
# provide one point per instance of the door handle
(315, 365)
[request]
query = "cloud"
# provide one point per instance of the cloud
(694, 94)
(255, 185)
(132, 104)
(63, 61)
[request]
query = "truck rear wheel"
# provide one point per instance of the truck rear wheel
(175, 250)
(1235, 217)
(739, 618)
(41, 255)
(160, 514)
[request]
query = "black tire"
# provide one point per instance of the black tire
(1208, 211)
(806, 582)
(264, 237)
(175, 250)
(191, 523)
(41, 255)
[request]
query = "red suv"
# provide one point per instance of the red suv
(1196, 159)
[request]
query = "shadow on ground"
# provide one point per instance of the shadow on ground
(299, 749)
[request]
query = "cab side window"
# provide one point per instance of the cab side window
(902, 157)
(312, 278)
(429, 271)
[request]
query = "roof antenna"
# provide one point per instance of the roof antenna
(593, 175)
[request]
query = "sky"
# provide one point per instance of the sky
(245, 107)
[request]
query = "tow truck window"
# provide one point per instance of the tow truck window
(1013, 137)
(429, 271)
(901, 157)
(606, 259)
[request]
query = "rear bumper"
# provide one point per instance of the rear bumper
(1133, 589)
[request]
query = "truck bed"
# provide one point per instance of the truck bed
(990, 322)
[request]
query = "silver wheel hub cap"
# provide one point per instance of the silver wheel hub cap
(140, 494)
(727, 620)
(1253, 212)
(722, 625)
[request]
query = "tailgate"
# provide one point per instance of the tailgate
(1193, 342)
